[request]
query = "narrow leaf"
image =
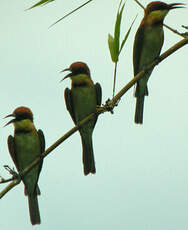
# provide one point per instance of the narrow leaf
(111, 46)
(71, 12)
(126, 36)
(117, 29)
(42, 2)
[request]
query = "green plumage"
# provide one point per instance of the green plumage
(24, 148)
(82, 100)
(147, 46)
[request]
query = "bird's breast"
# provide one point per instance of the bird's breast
(84, 101)
(152, 44)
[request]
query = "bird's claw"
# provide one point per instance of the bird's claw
(78, 125)
(158, 59)
(11, 171)
(40, 156)
(109, 106)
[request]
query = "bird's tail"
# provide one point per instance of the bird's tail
(140, 95)
(34, 209)
(88, 155)
(139, 110)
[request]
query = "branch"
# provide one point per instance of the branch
(10, 186)
(140, 4)
(12, 172)
(109, 106)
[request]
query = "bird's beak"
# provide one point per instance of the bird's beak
(11, 121)
(68, 75)
(176, 5)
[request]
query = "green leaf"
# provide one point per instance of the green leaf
(117, 27)
(111, 45)
(71, 12)
(42, 2)
(126, 36)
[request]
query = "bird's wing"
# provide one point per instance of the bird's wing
(11, 148)
(42, 140)
(42, 146)
(137, 50)
(69, 105)
(98, 90)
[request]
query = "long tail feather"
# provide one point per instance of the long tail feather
(34, 209)
(139, 110)
(88, 155)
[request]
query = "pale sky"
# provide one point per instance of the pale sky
(142, 171)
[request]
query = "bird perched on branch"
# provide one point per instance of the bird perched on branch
(147, 47)
(26, 145)
(82, 100)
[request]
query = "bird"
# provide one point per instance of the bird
(147, 46)
(24, 147)
(81, 100)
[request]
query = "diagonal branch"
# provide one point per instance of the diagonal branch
(110, 104)
(10, 186)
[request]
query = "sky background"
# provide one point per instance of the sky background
(142, 171)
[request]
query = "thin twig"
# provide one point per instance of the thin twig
(174, 31)
(10, 186)
(185, 27)
(2, 180)
(12, 172)
(114, 83)
(139, 4)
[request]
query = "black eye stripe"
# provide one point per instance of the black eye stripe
(160, 6)
(80, 71)
(23, 116)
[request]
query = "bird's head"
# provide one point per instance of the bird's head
(78, 70)
(157, 10)
(23, 118)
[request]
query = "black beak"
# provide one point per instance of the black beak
(176, 5)
(11, 121)
(68, 75)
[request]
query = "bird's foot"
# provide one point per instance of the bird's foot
(158, 60)
(11, 171)
(40, 156)
(78, 125)
(109, 106)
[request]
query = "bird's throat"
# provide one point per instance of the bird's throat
(25, 125)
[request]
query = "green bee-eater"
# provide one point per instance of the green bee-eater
(147, 47)
(82, 100)
(26, 145)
